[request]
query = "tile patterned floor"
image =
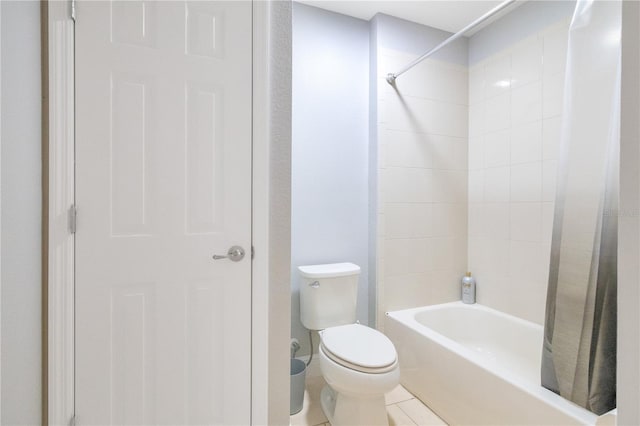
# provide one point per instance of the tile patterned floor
(403, 408)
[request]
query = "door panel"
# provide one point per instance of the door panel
(163, 182)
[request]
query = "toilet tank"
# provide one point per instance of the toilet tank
(328, 295)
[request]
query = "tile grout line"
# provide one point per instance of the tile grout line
(403, 400)
(428, 408)
(408, 415)
(405, 413)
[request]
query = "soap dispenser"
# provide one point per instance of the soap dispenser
(468, 289)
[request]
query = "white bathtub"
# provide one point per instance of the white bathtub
(474, 365)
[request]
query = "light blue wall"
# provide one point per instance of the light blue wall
(373, 168)
(517, 25)
(21, 213)
(406, 36)
(330, 149)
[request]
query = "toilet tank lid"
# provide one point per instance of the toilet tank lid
(329, 270)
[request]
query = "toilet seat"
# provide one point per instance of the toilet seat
(359, 348)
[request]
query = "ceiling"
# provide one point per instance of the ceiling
(448, 15)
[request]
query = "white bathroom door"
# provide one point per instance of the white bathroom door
(163, 183)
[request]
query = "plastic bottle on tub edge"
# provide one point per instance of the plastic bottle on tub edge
(468, 289)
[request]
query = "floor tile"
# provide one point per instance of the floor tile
(398, 394)
(397, 417)
(311, 413)
(403, 409)
(420, 413)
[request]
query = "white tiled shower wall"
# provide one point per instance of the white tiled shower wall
(422, 175)
(515, 107)
(467, 159)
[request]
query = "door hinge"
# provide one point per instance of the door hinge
(73, 10)
(253, 252)
(72, 218)
(72, 421)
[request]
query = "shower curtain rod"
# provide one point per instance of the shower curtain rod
(391, 77)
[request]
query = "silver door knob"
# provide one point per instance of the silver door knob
(235, 254)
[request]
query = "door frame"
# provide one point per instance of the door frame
(268, 373)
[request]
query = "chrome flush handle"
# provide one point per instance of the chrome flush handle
(235, 254)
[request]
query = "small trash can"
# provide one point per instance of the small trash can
(298, 372)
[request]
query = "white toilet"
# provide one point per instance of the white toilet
(359, 363)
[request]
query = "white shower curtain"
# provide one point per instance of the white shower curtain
(579, 352)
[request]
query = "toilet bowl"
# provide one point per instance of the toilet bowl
(359, 365)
